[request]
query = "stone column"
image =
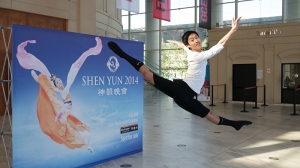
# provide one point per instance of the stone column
(221, 75)
(216, 13)
(269, 70)
(291, 12)
(152, 39)
(87, 16)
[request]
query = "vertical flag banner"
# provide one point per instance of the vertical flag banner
(129, 5)
(162, 9)
(205, 14)
(205, 90)
(75, 103)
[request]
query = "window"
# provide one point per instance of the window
(290, 76)
(253, 12)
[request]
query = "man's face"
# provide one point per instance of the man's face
(194, 42)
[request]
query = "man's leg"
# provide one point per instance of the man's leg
(186, 101)
(197, 108)
(223, 121)
(147, 74)
(138, 65)
(164, 85)
(191, 105)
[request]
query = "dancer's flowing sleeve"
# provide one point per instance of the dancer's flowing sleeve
(78, 63)
(29, 61)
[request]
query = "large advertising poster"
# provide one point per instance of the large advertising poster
(75, 103)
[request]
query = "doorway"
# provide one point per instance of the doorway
(244, 75)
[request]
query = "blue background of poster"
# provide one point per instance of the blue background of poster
(102, 113)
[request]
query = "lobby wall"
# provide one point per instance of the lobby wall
(267, 46)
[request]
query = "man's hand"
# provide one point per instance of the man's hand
(171, 41)
(235, 23)
(179, 44)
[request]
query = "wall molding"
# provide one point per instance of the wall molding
(289, 54)
(244, 54)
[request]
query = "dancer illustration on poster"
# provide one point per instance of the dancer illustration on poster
(55, 114)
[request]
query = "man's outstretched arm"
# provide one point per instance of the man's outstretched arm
(235, 25)
(179, 44)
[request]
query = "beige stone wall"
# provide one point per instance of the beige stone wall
(96, 17)
(108, 19)
(266, 51)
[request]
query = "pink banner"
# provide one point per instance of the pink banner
(161, 9)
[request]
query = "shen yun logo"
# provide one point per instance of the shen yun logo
(113, 64)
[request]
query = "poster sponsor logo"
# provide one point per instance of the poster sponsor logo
(129, 128)
(113, 64)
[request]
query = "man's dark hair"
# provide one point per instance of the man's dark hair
(186, 35)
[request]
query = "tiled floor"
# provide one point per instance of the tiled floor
(210, 146)
(274, 133)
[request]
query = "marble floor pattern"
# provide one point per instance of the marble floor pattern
(273, 134)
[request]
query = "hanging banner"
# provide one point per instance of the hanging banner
(129, 5)
(205, 14)
(75, 103)
(162, 9)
